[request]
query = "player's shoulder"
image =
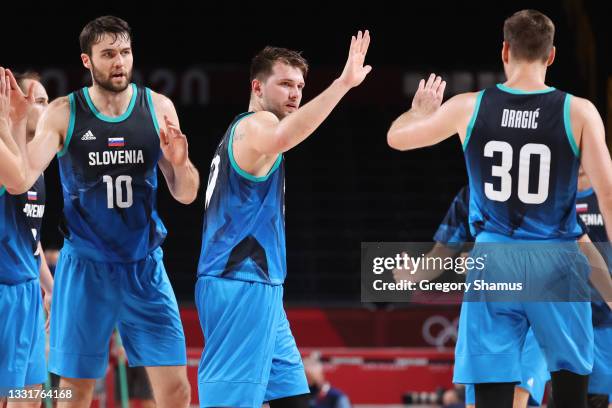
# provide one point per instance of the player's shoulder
(160, 101)
(582, 104)
(466, 100)
(262, 116)
(256, 119)
(582, 109)
(59, 104)
(58, 110)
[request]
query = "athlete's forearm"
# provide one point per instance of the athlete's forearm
(46, 279)
(184, 183)
(295, 128)
(404, 133)
(7, 138)
(13, 165)
(605, 206)
(600, 276)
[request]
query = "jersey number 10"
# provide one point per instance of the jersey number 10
(114, 191)
(503, 172)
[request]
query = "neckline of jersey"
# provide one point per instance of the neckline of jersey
(505, 88)
(110, 119)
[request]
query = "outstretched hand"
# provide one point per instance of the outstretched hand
(428, 96)
(354, 71)
(19, 102)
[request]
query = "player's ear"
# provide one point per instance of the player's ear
(86, 61)
(551, 56)
(505, 52)
(256, 86)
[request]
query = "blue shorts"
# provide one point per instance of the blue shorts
(91, 298)
(22, 336)
(534, 373)
(250, 355)
(491, 334)
(600, 381)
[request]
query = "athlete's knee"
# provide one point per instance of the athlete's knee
(81, 388)
(178, 394)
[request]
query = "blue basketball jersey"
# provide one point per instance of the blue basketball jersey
(454, 230)
(33, 206)
(243, 235)
(522, 162)
(17, 261)
(108, 170)
(587, 208)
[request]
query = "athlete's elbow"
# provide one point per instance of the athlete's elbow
(187, 197)
(394, 140)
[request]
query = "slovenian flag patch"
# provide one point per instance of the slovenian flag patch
(32, 196)
(582, 208)
(116, 142)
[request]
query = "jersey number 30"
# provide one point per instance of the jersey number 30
(503, 172)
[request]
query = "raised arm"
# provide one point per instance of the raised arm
(264, 134)
(13, 110)
(428, 123)
(48, 140)
(181, 175)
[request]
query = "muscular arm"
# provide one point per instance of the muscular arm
(48, 140)
(12, 161)
(46, 279)
(267, 135)
(420, 127)
(13, 164)
(588, 126)
(182, 178)
(262, 136)
(46, 282)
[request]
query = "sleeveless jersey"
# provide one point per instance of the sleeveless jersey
(108, 170)
(522, 162)
(243, 235)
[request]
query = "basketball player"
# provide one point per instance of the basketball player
(22, 356)
(450, 237)
(250, 354)
(109, 139)
(504, 129)
(33, 201)
(600, 380)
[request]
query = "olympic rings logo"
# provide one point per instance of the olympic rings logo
(438, 330)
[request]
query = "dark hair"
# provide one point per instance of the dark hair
(262, 63)
(20, 77)
(93, 31)
(529, 35)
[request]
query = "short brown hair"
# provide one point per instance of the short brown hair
(93, 31)
(262, 63)
(530, 35)
(20, 77)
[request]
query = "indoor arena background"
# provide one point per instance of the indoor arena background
(344, 185)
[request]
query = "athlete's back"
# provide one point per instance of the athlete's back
(523, 162)
(108, 169)
(244, 230)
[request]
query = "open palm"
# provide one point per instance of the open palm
(354, 71)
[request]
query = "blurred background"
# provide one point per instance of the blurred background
(344, 185)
